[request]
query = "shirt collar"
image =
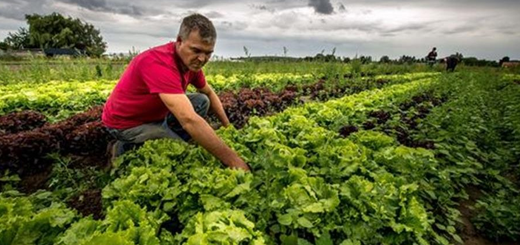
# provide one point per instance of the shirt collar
(178, 61)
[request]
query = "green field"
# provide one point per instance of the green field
(341, 153)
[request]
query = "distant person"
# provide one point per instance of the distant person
(150, 100)
(432, 57)
(451, 63)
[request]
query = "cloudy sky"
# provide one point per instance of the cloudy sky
(487, 29)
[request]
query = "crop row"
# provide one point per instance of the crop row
(306, 183)
(87, 136)
(310, 186)
(59, 100)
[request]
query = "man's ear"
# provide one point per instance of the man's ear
(179, 40)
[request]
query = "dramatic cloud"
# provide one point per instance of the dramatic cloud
(18, 9)
(482, 28)
(321, 6)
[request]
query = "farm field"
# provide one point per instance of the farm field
(340, 154)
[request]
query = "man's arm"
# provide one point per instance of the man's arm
(215, 104)
(200, 131)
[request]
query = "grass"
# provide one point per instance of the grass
(41, 70)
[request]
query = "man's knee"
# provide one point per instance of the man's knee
(200, 103)
(151, 133)
(145, 132)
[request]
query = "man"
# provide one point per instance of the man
(432, 56)
(151, 95)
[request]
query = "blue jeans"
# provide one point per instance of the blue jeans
(170, 127)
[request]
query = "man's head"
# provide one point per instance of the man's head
(196, 41)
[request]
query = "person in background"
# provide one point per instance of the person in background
(150, 100)
(451, 63)
(431, 58)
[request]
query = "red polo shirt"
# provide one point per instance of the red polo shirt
(135, 99)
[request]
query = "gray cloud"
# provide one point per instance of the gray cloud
(195, 3)
(230, 26)
(17, 9)
(342, 7)
(214, 15)
(102, 6)
(461, 29)
(321, 6)
(262, 8)
(423, 27)
(90, 4)
(372, 27)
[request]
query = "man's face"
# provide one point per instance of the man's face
(194, 52)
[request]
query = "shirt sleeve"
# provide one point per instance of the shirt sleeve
(198, 80)
(160, 78)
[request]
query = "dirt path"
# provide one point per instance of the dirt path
(469, 233)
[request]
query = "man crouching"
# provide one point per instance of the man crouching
(150, 100)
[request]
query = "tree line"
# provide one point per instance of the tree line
(55, 31)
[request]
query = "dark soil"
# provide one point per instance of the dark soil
(382, 116)
(347, 130)
(468, 232)
(33, 182)
(88, 203)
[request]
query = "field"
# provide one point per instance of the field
(340, 154)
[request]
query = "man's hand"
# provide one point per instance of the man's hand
(242, 165)
(200, 131)
(217, 125)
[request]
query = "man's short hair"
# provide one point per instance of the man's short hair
(198, 22)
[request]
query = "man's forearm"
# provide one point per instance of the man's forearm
(203, 134)
(216, 107)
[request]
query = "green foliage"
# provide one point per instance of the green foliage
(308, 185)
(18, 40)
(356, 65)
(57, 100)
(225, 227)
(126, 223)
(23, 221)
(306, 182)
(498, 215)
(57, 31)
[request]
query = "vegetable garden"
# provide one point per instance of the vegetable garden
(338, 156)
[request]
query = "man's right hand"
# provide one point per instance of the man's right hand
(200, 130)
(241, 165)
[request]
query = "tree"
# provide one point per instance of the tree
(405, 59)
(4, 46)
(57, 31)
(18, 40)
(504, 59)
(365, 59)
(384, 59)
